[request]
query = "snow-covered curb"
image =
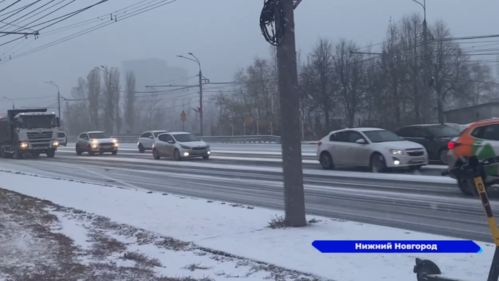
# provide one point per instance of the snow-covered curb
(242, 232)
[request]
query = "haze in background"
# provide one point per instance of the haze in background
(224, 35)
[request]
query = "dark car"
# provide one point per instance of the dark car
(434, 138)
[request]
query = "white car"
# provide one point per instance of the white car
(180, 145)
(146, 140)
(375, 148)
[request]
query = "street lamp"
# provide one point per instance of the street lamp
(196, 60)
(426, 63)
(13, 106)
(58, 97)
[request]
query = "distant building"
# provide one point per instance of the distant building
(474, 113)
(154, 72)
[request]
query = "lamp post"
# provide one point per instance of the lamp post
(196, 60)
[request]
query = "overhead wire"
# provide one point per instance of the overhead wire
(6, 8)
(25, 15)
(94, 28)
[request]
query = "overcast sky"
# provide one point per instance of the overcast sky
(223, 34)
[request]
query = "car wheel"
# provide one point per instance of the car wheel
(18, 154)
(377, 163)
(467, 186)
(326, 161)
(155, 154)
(114, 152)
(141, 148)
(206, 157)
(50, 154)
(90, 151)
(442, 155)
(176, 155)
(78, 152)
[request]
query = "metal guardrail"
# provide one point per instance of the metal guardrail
(215, 139)
(212, 139)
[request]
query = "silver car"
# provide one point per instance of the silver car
(180, 145)
(96, 142)
(62, 138)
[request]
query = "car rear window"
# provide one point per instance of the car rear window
(444, 131)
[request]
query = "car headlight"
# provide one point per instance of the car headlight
(396, 151)
(115, 140)
(185, 146)
(95, 141)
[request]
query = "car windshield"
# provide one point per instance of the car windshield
(377, 136)
(37, 121)
(61, 135)
(185, 137)
(444, 131)
(98, 135)
(156, 134)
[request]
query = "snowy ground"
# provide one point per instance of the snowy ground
(111, 230)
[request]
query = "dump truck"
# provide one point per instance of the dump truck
(28, 132)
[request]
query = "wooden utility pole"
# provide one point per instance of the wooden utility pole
(289, 96)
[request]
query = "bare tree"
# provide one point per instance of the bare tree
(130, 98)
(319, 81)
(350, 74)
(94, 92)
(76, 113)
(111, 93)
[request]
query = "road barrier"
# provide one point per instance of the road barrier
(213, 139)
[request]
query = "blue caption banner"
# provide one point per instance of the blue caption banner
(396, 246)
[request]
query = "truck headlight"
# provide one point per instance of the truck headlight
(23, 145)
(115, 140)
(55, 143)
(115, 144)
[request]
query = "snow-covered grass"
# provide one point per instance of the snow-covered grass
(44, 241)
(241, 231)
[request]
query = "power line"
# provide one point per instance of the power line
(94, 28)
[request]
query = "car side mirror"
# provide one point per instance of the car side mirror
(361, 141)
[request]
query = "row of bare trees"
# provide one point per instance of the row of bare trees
(100, 102)
(344, 84)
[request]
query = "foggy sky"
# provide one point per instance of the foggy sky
(223, 34)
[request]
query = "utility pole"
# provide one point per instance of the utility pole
(58, 98)
(200, 110)
(426, 62)
(289, 97)
(201, 101)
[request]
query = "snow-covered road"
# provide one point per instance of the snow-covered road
(267, 155)
(420, 203)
